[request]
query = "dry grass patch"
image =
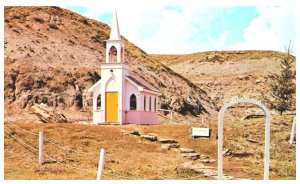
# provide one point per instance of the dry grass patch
(129, 157)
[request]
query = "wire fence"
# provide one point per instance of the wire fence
(27, 144)
(21, 141)
(53, 143)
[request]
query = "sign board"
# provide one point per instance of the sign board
(200, 132)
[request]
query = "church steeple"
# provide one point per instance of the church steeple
(114, 45)
(115, 31)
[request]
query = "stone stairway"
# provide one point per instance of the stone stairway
(197, 163)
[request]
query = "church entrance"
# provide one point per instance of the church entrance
(111, 107)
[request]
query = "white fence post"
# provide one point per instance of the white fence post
(101, 164)
(293, 132)
(41, 147)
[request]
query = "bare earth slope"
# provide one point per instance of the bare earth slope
(224, 74)
(53, 55)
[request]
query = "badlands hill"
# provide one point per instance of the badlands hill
(223, 74)
(53, 55)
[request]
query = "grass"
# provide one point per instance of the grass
(129, 157)
(282, 154)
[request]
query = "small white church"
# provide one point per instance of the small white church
(119, 97)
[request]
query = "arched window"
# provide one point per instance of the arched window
(150, 103)
(132, 102)
(144, 103)
(155, 104)
(99, 102)
(113, 55)
(122, 54)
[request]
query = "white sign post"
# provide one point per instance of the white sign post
(41, 147)
(101, 164)
(293, 132)
(220, 134)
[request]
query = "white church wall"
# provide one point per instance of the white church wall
(148, 95)
(130, 89)
(112, 85)
(97, 117)
(113, 75)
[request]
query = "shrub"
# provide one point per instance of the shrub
(38, 20)
(53, 26)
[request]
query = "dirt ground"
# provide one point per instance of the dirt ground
(129, 157)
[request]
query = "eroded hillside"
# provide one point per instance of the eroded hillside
(53, 55)
(224, 74)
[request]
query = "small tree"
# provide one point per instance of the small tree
(283, 87)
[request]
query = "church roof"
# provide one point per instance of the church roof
(115, 31)
(142, 83)
(91, 89)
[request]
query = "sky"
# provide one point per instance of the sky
(188, 28)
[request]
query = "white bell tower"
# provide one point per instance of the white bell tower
(114, 45)
(113, 74)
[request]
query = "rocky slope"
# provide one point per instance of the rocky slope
(224, 74)
(53, 55)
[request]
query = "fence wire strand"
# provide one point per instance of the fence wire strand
(23, 129)
(67, 165)
(52, 142)
(47, 155)
(21, 141)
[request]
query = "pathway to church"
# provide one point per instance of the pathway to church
(196, 167)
